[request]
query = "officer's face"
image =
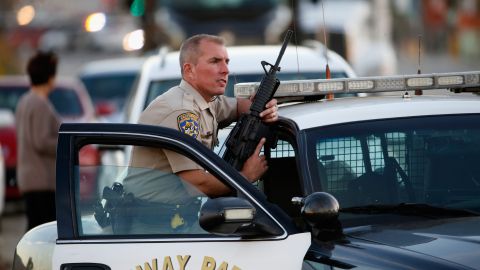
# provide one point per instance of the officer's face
(210, 74)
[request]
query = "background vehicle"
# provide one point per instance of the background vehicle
(71, 101)
(109, 82)
(351, 181)
(240, 22)
(368, 30)
(2, 185)
(6, 118)
(9, 153)
(161, 72)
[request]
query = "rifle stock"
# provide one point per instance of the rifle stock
(249, 129)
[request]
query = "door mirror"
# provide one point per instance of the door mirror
(320, 211)
(233, 216)
(227, 216)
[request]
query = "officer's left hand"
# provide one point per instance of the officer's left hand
(270, 114)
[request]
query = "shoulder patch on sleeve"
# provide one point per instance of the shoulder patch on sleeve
(188, 124)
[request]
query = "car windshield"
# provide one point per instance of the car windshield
(431, 160)
(109, 87)
(157, 88)
(66, 102)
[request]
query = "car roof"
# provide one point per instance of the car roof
(246, 60)
(7, 118)
(23, 80)
(353, 109)
(16, 80)
(113, 65)
(66, 83)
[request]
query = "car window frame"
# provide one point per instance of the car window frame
(75, 136)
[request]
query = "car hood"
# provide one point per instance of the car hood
(36, 247)
(456, 240)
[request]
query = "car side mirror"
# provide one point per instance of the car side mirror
(227, 216)
(320, 211)
(233, 216)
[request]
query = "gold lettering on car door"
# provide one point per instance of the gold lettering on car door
(208, 263)
(148, 267)
(182, 261)
(167, 263)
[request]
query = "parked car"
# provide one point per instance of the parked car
(373, 182)
(9, 153)
(70, 100)
(162, 71)
(6, 118)
(109, 82)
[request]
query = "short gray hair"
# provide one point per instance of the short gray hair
(189, 49)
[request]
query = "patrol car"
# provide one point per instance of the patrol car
(373, 182)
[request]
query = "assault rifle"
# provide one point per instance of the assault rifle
(250, 129)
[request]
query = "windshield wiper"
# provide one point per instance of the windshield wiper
(410, 209)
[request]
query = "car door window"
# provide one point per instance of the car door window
(117, 199)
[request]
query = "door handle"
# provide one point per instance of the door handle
(84, 266)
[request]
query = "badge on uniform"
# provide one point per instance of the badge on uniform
(188, 124)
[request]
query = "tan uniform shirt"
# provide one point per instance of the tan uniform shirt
(184, 109)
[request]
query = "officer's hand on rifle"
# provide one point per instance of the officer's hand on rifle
(256, 165)
(270, 114)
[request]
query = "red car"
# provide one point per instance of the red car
(72, 103)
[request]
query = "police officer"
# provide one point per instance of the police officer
(196, 107)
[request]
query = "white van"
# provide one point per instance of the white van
(162, 71)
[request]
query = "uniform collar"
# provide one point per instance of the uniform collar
(196, 96)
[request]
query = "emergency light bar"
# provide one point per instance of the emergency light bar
(460, 81)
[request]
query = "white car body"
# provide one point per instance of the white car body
(344, 110)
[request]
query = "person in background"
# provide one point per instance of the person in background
(37, 126)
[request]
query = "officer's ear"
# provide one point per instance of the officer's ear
(188, 70)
